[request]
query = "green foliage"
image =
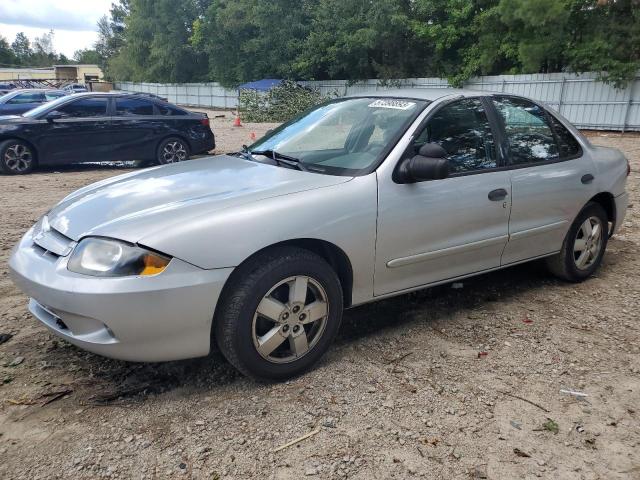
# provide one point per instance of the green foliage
(551, 426)
(233, 41)
(156, 43)
(87, 56)
(39, 54)
(252, 39)
(279, 104)
(7, 56)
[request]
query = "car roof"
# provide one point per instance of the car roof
(429, 94)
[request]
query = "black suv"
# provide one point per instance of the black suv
(94, 127)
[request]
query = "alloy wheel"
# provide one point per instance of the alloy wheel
(18, 158)
(290, 319)
(588, 243)
(173, 152)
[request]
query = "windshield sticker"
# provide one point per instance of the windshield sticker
(395, 104)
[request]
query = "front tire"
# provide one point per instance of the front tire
(584, 245)
(279, 314)
(172, 150)
(16, 157)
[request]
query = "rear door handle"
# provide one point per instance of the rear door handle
(497, 194)
(588, 178)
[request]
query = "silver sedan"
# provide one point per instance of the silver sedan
(359, 199)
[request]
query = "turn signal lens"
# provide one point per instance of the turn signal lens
(154, 264)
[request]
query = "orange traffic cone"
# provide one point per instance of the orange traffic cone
(236, 122)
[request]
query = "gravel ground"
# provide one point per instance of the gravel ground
(404, 392)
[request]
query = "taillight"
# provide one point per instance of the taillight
(205, 121)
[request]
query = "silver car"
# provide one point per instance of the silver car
(356, 200)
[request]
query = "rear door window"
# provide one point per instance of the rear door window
(133, 107)
(85, 108)
(528, 132)
(27, 97)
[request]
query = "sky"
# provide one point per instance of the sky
(73, 21)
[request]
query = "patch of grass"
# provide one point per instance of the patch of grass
(551, 426)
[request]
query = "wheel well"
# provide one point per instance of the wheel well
(31, 145)
(605, 199)
(332, 254)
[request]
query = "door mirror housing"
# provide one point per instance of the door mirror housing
(51, 116)
(429, 164)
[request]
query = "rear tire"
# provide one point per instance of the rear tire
(279, 314)
(172, 150)
(584, 245)
(16, 157)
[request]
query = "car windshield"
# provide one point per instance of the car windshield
(342, 137)
(8, 96)
(35, 112)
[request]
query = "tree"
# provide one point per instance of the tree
(87, 56)
(22, 48)
(156, 43)
(7, 56)
(251, 39)
(361, 39)
(111, 34)
(44, 54)
(233, 41)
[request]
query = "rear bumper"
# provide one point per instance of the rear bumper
(202, 143)
(622, 202)
(156, 318)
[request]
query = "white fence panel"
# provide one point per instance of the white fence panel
(586, 102)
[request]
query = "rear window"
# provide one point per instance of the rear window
(133, 106)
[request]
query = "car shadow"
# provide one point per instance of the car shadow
(106, 381)
(88, 166)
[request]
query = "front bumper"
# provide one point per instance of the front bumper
(156, 318)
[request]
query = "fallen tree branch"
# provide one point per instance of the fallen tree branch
(524, 400)
(297, 440)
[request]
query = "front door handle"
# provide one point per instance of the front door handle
(497, 194)
(588, 178)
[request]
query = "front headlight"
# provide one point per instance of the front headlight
(102, 257)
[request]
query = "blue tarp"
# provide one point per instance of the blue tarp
(261, 85)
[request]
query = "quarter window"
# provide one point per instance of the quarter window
(463, 130)
(529, 134)
(84, 107)
(53, 95)
(166, 109)
(133, 106)
(567, 144)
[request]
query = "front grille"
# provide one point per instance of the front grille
(51, 240)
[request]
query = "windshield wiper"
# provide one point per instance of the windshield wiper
(280, 158)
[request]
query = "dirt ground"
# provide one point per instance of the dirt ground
(404, 393)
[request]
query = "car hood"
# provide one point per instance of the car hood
(136, 204)
(9, 119)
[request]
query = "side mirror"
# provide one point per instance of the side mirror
(51, 116)
(429, 164)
